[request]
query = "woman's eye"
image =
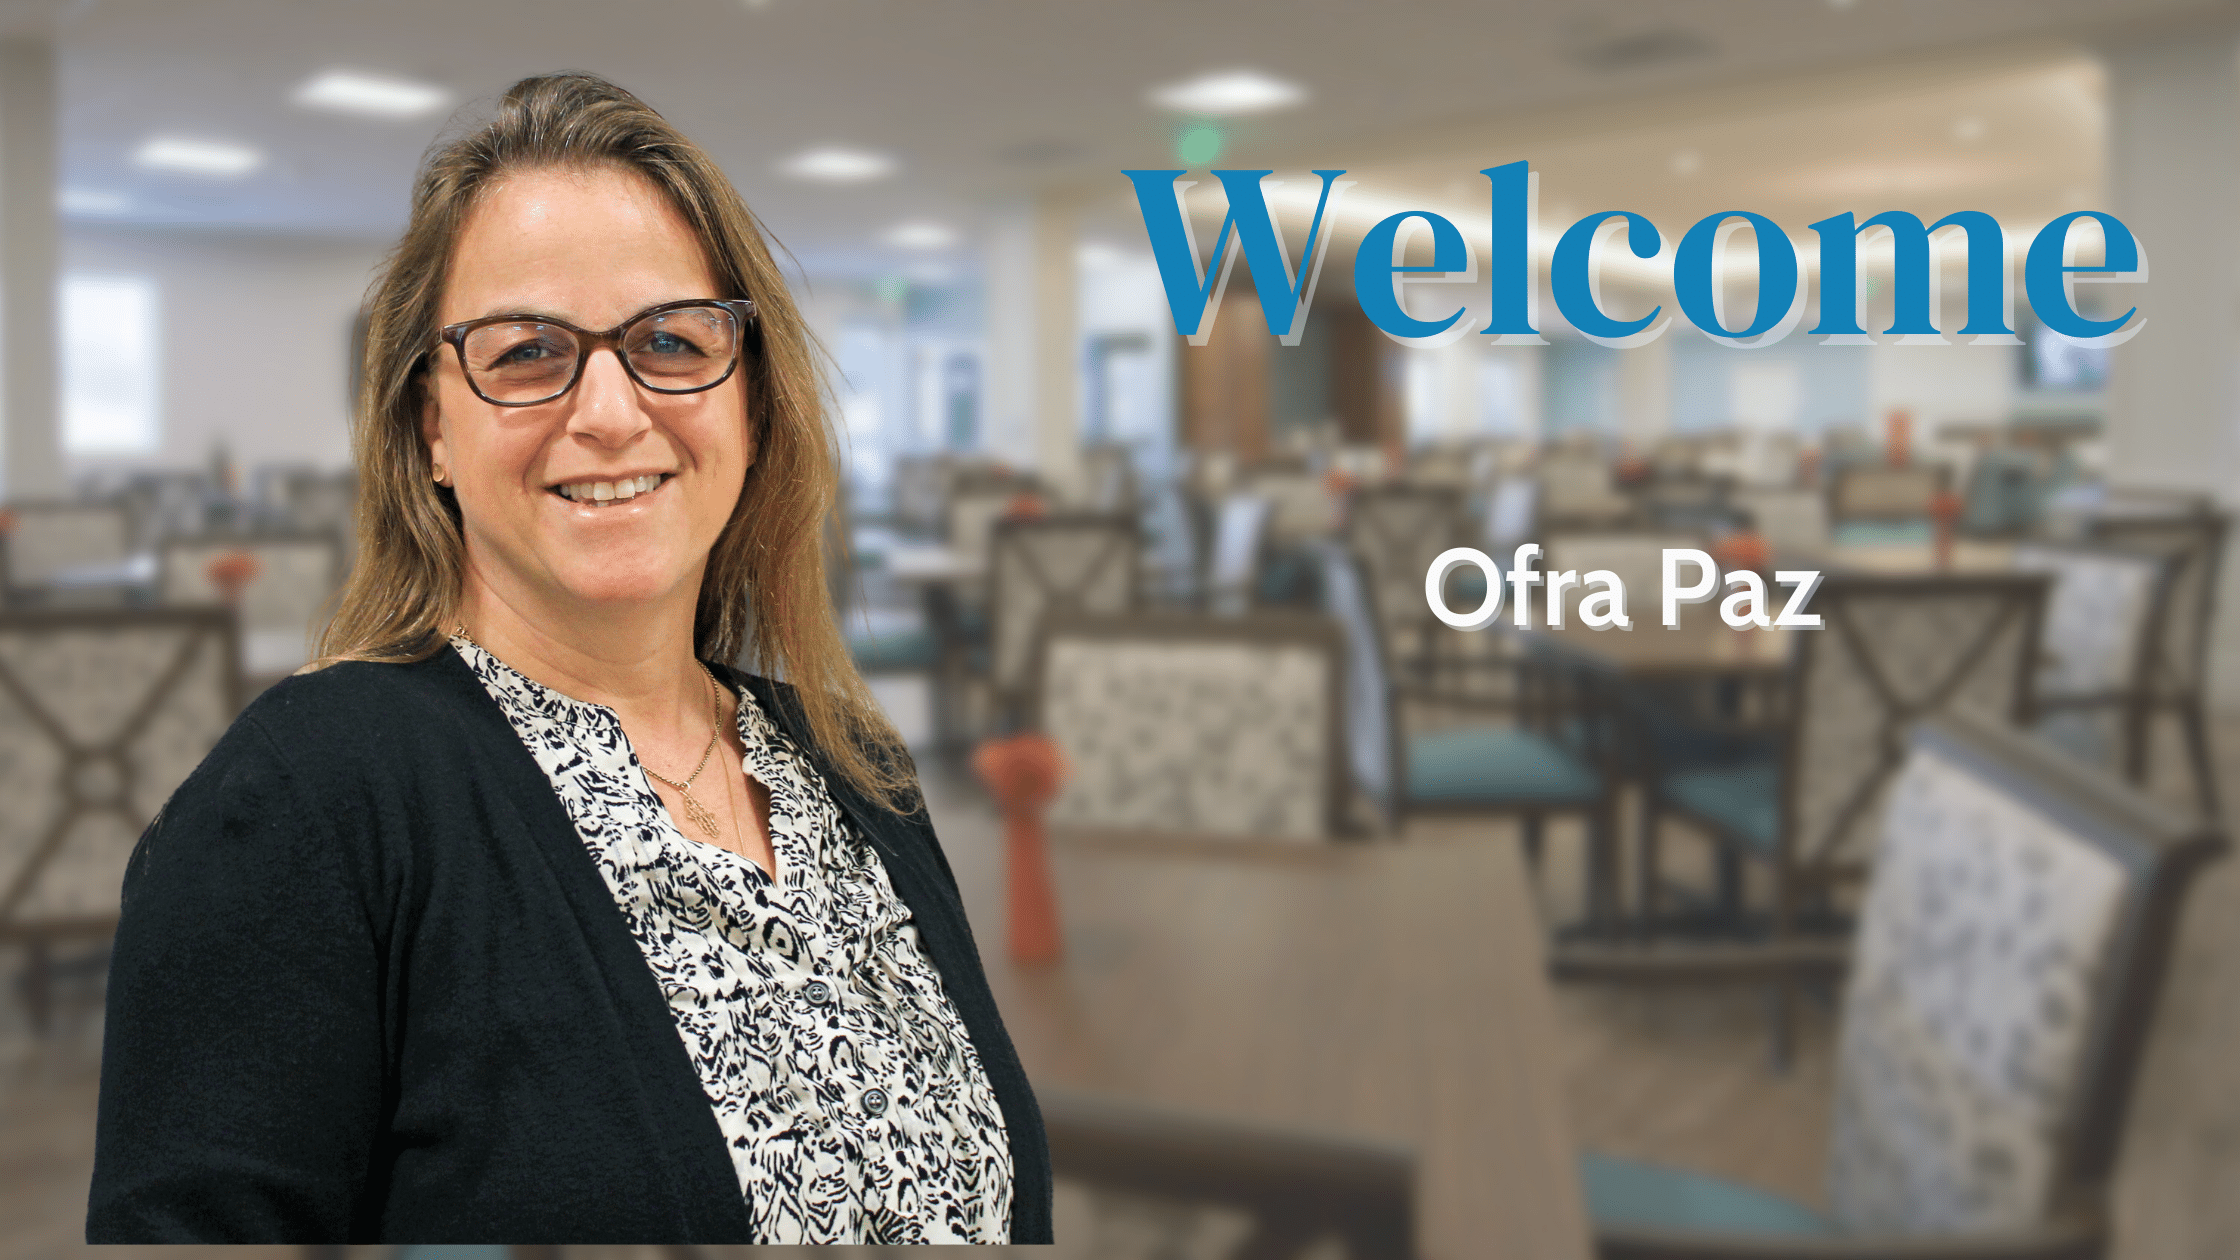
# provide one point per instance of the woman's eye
(669, 343)
(533, 351)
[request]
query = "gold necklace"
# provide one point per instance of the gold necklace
(700, 814)
(693, 809)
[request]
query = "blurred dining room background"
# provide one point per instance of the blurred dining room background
(1323, 928)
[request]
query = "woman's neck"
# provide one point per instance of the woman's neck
(635, 659)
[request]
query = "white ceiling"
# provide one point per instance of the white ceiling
(982, 99)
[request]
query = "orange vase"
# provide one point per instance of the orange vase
(1024, 773)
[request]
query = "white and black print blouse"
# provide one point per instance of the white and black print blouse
(852, 1097)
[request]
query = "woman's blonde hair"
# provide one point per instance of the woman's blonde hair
(764, 599)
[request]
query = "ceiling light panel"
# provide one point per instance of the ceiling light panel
(371, 95)
(921, 236)
(1228, 92)
(836, 164)
(221, 159)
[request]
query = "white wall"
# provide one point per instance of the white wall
(1940, 385)
(255, 336)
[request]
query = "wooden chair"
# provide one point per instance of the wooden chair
(1240, 542)
(1578, 493)
(1452, 745)
(2012, 946)
(1892, 651)
(1109, 469)
(1397, 531)
(102, 713)
(1051, 564)
(1794, 523)
(2191, 537)
(1876, 504)
(1512, 514)
(2103, 617)
(1181, 723)
(281, 606)
(48, 548)
(1299, 1189)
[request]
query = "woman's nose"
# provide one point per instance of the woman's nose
(608, 409)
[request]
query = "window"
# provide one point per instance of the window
(109, 365)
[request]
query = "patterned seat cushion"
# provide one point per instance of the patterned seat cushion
(1650, 1196)
(1495, 765)
(1974, 980)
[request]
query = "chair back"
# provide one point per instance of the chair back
(1892, 651)
(2099, 615)
(1793, 522)
(2011, 948)
(1300, 1189)
(1299, 502)
(1396, 532)
(46, 541)
(320, 503)
(1638, 558)
(1576, 491)
(1109, 471)
(2006, 492)
(286, 600)
(1240, 531)
(1512, 514)
(1371, 733)
(1053, 564)
(2192, 539)
(103, 712)
(918, 491)
(971, 516)
(1175, 722)
(1878, 492)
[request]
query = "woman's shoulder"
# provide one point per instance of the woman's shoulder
(352, 709)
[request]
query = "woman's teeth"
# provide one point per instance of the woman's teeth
(607, 491)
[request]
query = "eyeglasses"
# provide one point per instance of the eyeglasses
(675, 348)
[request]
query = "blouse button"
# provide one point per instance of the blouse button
(818, 992)
(875, 1101)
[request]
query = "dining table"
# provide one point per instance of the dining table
(1392, 991)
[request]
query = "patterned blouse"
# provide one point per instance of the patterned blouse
(854, 1102)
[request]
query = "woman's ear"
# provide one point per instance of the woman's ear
(431, 432)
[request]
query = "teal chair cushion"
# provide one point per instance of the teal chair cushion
(1495, 765)
(1742, 800)
(1629, 1193)
(906, 649)
(1883, 533)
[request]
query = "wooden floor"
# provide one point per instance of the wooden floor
(1679, 1077)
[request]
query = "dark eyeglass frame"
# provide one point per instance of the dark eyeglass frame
(742, 310)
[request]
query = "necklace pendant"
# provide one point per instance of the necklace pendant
(701, 815)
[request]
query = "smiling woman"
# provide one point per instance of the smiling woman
(467, 933)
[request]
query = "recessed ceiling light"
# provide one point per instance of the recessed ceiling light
(1228, 92)
(921, 236)
(89, 201)
(370, 95)
(1969, 129)
(221, 158)
(836, 164)
(1687, 162)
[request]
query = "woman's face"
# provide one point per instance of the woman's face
(591, 248)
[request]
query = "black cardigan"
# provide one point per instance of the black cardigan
(369, 986)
